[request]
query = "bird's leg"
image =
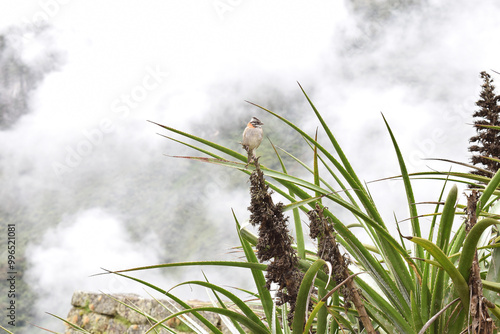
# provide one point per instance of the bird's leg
(251, 157)
(250, 153)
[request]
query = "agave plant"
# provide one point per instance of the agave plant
(421, 286)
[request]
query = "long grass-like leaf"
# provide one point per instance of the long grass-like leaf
(415, 312)
(470, 245)
(6, 330)
(257, 266)
(196, 148)
(493, 127)
(390, 315)
(220, 148)
(436, 302)
(460, 283)
(495, 311)
(488, 191)
(446, 223)
(492, 286)
(73, 326)
(460, 177)
(242, 319)
(301, 304)
(409, 190)
(427, 299)
(457, 242)
(247, 311)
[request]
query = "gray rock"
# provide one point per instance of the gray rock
(99, 313)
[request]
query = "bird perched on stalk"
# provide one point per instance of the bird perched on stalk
(252, 137)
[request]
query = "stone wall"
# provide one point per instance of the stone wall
(103, 314)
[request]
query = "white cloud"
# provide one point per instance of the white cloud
(65, 257)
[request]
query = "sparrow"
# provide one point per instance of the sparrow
(252, 137)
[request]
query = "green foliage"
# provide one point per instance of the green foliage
(403, 290)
